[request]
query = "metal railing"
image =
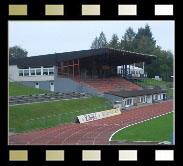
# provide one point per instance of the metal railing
(56, 120)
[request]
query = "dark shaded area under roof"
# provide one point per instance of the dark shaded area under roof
(117, 57)
(134, 93)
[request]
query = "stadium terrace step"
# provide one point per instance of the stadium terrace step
(107, 84)
(122, 83)
(19, 100)
(98, 85)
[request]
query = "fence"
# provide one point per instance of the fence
(55, 120)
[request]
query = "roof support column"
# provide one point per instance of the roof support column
(62, 69)
(42, 70)
(73, 68)
(29, 72)
(57, 70)
(122, 70)
(78, 71)
(125, 71)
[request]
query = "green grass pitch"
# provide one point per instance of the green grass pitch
(155, 130)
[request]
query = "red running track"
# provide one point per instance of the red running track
(92, 133)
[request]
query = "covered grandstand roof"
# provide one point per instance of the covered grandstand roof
(134, 93)
(117, 56)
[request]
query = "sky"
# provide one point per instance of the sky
(47, 37)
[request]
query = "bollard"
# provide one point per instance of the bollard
(44, 121)
(73, 116)
(59, 119)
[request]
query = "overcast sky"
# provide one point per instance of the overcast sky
(46, 37)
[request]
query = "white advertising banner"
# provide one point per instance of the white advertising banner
(112, 112)
(90, 117)
(98, 115)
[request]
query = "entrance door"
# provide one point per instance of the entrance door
(149, 99)
(52, 86)
(164, 96)
(37, 85)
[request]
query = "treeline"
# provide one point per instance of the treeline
(142, 42)
(17, 52)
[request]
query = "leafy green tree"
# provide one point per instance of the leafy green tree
(162, 66)
(95, 44)
(17, 52)
(143, 45)
(114, 42)
(100, 42)
(142, 42)
(145, 32)
(127, 39)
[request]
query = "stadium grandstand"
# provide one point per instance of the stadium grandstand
(92, 71)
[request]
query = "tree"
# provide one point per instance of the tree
(142, 42)
(162, 66)
(17, 52)
(114, 42)
(143, 45)
(95, 44)
(127, 39)
(100, 42)
(145, 32)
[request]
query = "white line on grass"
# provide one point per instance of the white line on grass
(134, 124)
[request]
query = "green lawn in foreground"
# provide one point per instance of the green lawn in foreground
(16, 89)
(19, 114)
(151, 82)
(157, 130)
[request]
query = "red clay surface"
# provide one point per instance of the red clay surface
(92, 133)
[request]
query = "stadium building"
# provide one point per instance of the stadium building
(92, 71)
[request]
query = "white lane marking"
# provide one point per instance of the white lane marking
(131, 125)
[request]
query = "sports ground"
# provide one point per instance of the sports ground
(93, 133)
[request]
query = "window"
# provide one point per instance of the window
(20, 72)
(129, 102)
(45, 71)
(26, 72)
(32, 71)
(156, 97)
(144, 99)
(51, 71)
(38, 72)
